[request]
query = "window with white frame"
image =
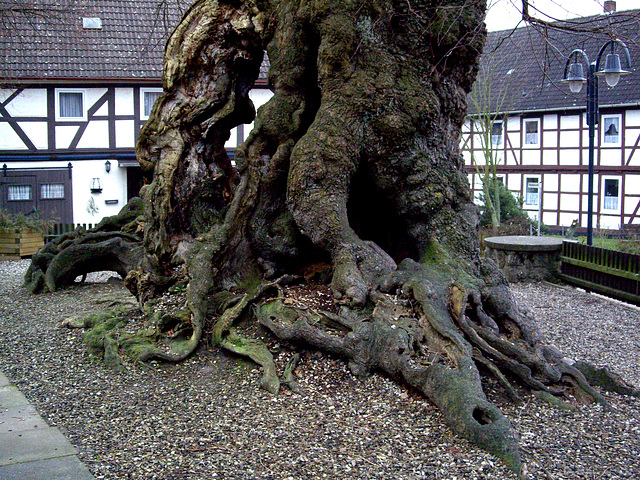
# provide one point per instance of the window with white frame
(611, 194)
(611, 129)
(496, 133)
(70, 105)
(532, 191)
(532, 132)
(51, 191)
(17, 193)
(148, 97)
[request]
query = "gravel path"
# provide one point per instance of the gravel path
(206, 418)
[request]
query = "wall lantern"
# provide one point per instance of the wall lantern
(107, 166)
(95, 186)
(574, 75)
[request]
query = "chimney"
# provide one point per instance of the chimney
(609, 6)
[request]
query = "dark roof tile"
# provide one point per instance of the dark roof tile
(528, 63)
(129, 45)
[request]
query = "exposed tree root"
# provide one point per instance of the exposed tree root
(287, 376)
(405, 345)
(423, 336)
(81, 258)
(224, 336)
(607, 380)
(114, 244)
(417, 328)
(354, 161)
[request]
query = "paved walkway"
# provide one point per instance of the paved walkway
(29, 448)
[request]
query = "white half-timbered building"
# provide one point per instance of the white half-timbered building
(74, 92)
(540, 135)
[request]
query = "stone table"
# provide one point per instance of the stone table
(524, 258)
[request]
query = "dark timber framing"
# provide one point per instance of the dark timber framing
(108, 98)
(515, 165)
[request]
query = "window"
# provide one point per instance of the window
(91, 23)
(611, 190)
(496, 133)
(532, 132)
(532, 190)
(51, 191)
(17, 193)
(70, 105)
(149, 97)
(611, 129)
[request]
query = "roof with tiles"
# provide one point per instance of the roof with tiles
(526, 65)
(126, 41)
(89, 40)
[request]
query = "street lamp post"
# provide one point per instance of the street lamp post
(574, 76)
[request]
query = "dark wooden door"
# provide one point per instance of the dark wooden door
(19, 194)
(135, 180)
(54, 199)
(47, 191)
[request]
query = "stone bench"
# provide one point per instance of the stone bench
(523, 258)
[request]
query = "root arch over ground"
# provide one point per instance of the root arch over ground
(351, 182)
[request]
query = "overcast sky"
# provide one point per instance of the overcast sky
(504, 14)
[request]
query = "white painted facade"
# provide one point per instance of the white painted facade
(551, 149)
(38, 132)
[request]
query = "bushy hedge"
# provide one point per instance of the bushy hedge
(20, 221)
(512, 215)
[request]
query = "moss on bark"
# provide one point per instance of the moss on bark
(354, 161)
(114, 244)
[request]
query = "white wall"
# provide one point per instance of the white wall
(568, 147)
(29, 103)
(114, 187)
(124, 101)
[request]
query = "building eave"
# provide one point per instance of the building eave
(557, 109)
(54, 81)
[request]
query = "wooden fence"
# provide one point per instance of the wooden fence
(62, 228)
(609, 272)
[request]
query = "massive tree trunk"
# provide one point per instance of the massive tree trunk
(352, 168)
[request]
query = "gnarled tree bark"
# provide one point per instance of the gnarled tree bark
(354, 164)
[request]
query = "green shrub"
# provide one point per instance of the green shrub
(19, 221)
(512, 215)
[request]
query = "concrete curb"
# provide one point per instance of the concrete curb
(29, 448)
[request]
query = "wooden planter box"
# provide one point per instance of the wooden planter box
(16, 244)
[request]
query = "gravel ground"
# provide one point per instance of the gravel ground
(206, 418)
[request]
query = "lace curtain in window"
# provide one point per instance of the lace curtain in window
(71, 105)
(18, 192)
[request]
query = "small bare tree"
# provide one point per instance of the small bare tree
(352, 167)
(487, 105)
